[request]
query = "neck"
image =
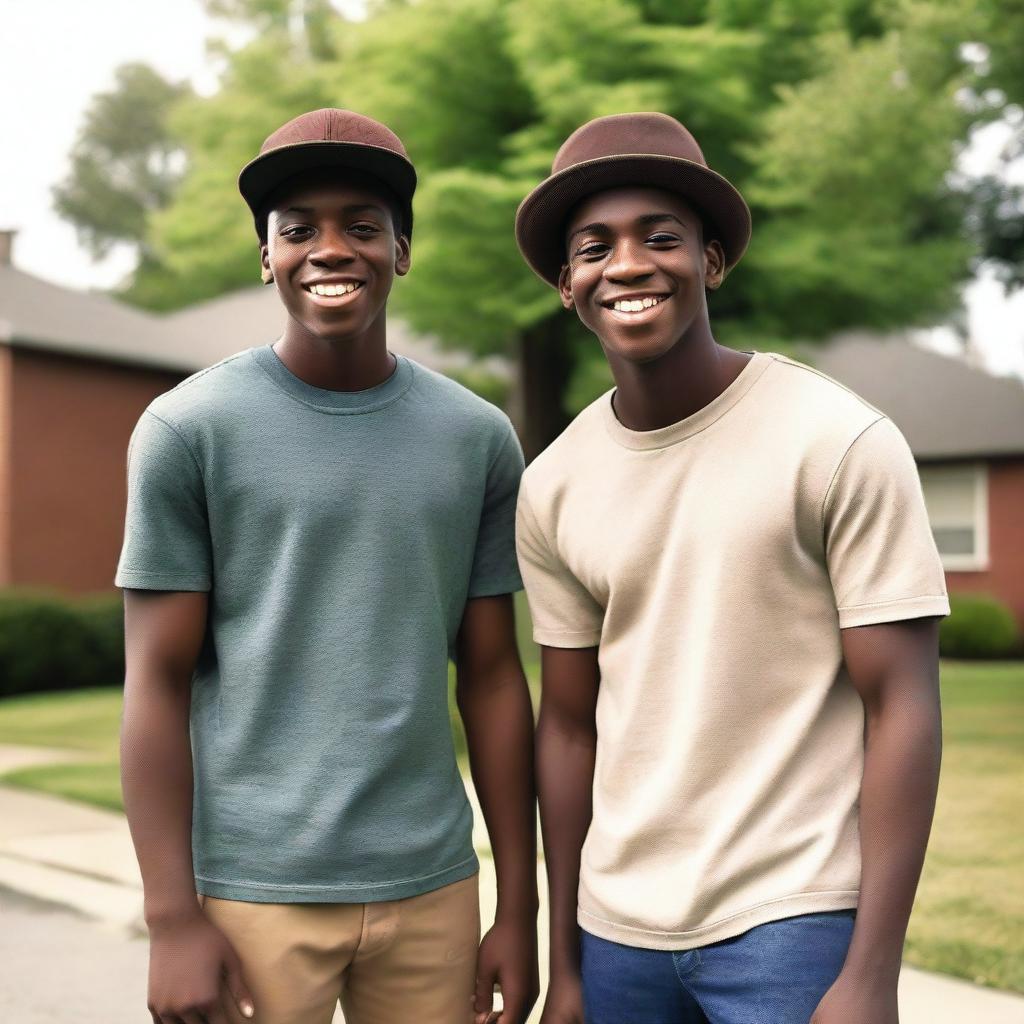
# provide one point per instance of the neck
(692, 374)
(337, 364)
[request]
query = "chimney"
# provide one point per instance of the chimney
(6, 245)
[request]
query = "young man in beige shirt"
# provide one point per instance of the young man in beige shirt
(735, 587)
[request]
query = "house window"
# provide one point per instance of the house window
(957, 502)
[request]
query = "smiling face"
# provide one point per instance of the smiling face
(332, 251)
(637, 267)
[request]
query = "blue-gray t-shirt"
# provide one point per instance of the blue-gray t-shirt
(339, 535)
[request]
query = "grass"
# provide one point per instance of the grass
(969, 916)
(82, 720)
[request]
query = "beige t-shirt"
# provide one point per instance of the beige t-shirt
(714, 562)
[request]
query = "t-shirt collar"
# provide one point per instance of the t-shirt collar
(369, 400)
(684, 428)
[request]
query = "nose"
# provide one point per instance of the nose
(333, 247)
(630, 262)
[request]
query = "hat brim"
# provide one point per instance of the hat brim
(260, 177)
(541, 217)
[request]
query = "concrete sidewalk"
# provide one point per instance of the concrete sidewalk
(82, 858)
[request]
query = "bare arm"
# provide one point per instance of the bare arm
(566, 748)
(163, 634)
(894, 667)
(494, 702)
(188, 956)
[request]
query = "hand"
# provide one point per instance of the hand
(858, 1001)
(564, 1001)
(508, 958)
(193, 973)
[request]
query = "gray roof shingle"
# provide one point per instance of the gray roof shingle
(945, 408)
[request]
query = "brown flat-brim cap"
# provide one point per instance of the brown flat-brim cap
(330, 138)
(650, 150)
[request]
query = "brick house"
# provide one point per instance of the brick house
(76, 371)
(966, 429)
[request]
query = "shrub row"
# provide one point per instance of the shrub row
(49, 642)
(979, 627)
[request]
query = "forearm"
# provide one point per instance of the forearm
(498, 718)
(156, 778)
(901, 769)
(565, 778)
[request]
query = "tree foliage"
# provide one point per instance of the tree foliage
(838, 121)
(125, 162)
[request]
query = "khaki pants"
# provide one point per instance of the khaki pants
(390, 962)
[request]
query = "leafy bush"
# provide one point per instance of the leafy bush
(978, 626)
(48, 642)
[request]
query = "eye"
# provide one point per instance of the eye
(364, 228)
(592, 250)
(294, 230)
(663, 237)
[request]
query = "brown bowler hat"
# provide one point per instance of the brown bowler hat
(648, 149)
(330, 138)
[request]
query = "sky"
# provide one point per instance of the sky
(56, 54)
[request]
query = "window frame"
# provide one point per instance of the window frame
(978, 560)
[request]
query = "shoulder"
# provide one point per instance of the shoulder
(461, 410)
(813, 393)
(582, 445)
(205, 394)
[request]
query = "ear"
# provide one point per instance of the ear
(266, 274)
(565, 287)
(403, 256)
(714, 265)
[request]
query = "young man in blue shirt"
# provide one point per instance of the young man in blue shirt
(314, 528)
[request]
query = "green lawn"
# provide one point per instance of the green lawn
(969, 917)
(84, 720)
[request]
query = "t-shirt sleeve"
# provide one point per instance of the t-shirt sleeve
(494, 559)
(879, 547)
(564, 612)
(166, 533)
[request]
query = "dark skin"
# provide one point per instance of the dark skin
(635, 243)
(341, 234)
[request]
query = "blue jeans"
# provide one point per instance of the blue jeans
(773, 974)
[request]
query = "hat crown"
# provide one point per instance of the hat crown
(651, 134)
(330, 124)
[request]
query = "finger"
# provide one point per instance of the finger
(511, 1012)
(217, 1014)
(237, 986)
(483, 999)
(498, 1004)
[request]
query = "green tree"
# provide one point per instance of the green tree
(838, 121)
(306, 23)
(125, 163)
(808, 108)
(997, 215)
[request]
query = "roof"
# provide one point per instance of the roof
(38, 314)
(945, 408)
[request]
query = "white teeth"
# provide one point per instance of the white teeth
(333, 289)
(635, 305)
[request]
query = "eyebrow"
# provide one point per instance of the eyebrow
(647, 218)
